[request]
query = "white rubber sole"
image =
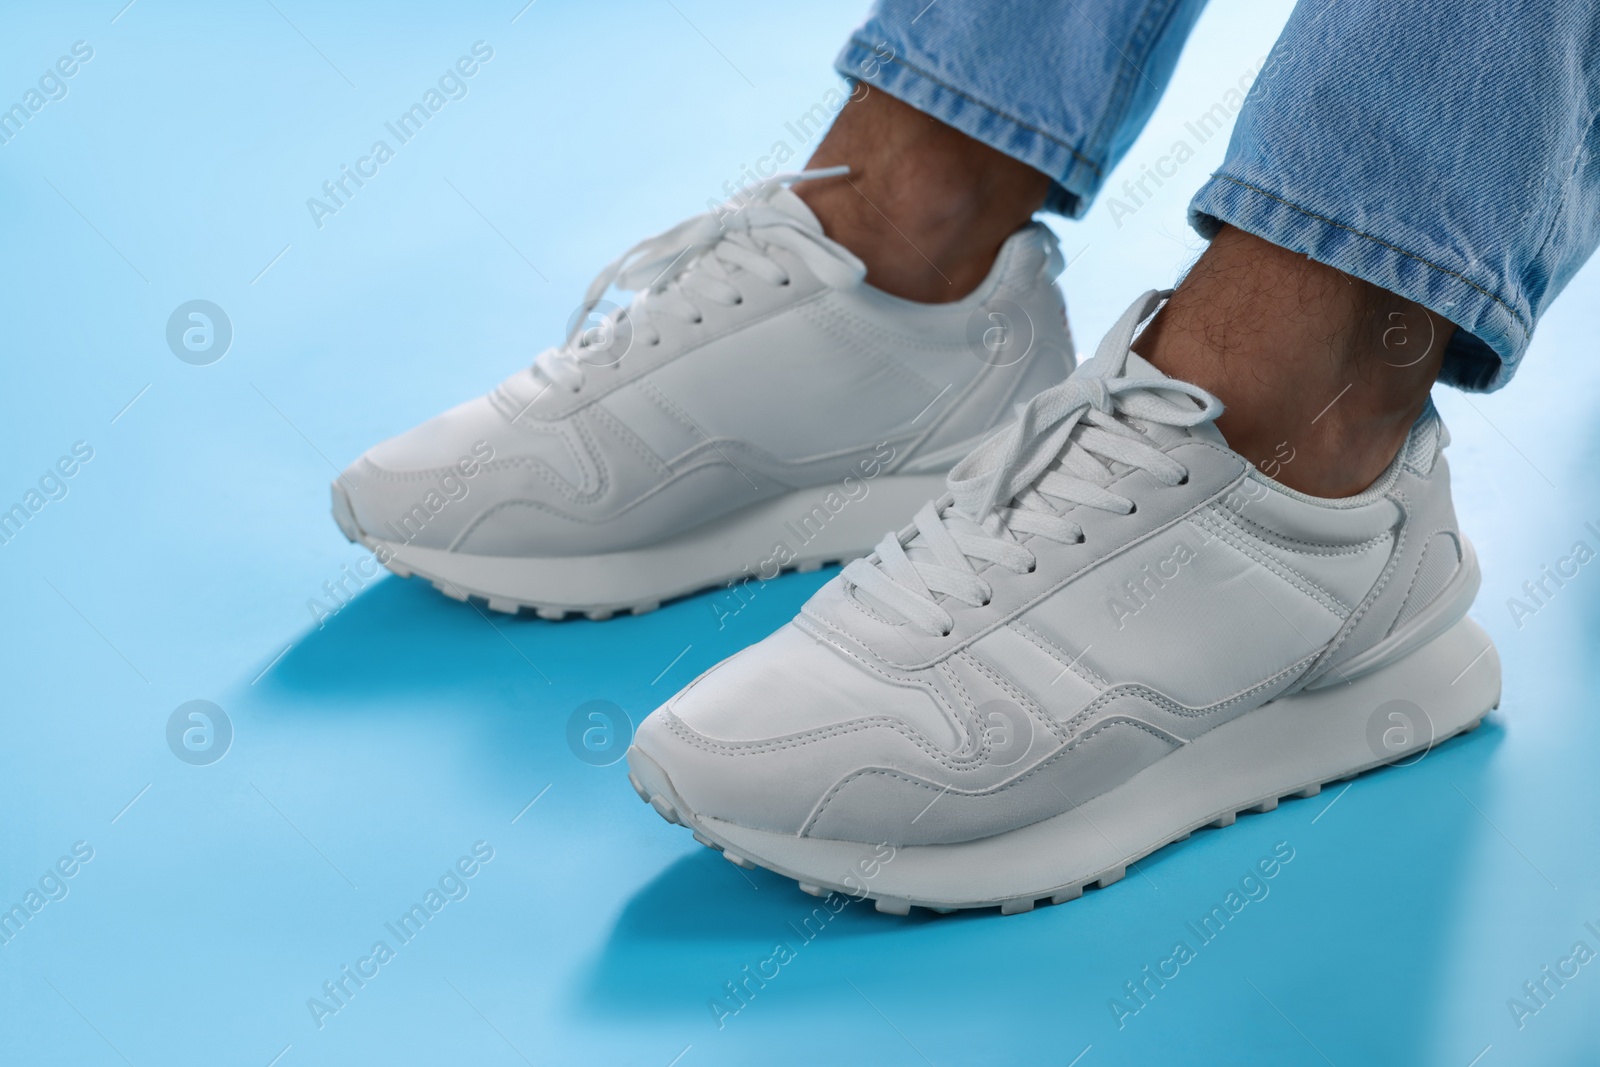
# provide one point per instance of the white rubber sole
(1289, 747)
(639, 580)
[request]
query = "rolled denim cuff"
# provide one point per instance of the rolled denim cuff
(1484, 351)
(1074, 177)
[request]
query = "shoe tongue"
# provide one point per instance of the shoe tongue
(785, 200)
(831, 261)
(1137, 366)
(1162, 433)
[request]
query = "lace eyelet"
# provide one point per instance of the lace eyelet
(1185, 479)
(1134, 510)
(739, 301)
(1032, 567)
(697, 320)
(783, 283)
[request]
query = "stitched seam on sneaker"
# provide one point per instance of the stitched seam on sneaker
(1010, 783)
(1062, 581)
(1073, 664)
(1325, 661)
(900, 726)
(654, 395)
(1295, 544)
(1183, 711)
(686, 733)
(1028, 703)
(846, 332)
(629, 438)
(969, 717)
(1233, 539)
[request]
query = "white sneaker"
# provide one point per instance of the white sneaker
(1118, 632)
(757, 407)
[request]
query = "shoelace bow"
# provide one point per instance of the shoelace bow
(696, 260)
(1026, 479)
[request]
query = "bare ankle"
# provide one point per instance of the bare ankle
(925, 206)
(1322, 374)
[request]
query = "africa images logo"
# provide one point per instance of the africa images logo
(199, 332)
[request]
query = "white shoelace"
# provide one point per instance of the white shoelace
(696, 261)
(1026, 479)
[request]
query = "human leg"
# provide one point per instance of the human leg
(1120, 628)
(968, 118)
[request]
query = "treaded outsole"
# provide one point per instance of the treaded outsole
(345, 518)
(1108, 876)
(557, 613)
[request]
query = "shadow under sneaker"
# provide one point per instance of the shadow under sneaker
(757, 407)
(1112, 631)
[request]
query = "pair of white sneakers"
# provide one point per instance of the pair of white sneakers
(1101, 630)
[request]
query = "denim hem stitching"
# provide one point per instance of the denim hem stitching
(1142, 38)
(1516, 317)
(1079, 156)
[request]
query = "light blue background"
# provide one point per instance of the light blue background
(373, 751)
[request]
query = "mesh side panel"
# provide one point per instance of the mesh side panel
(1441, 556)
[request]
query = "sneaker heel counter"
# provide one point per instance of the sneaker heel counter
(1054, 355)
(1026, 281)
(1067, 348)
(1058, 323)
(1432, 579)
(1444, 554)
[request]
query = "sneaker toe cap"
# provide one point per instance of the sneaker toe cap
(426, 486)
(762, 739)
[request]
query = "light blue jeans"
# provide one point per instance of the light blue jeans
(1443, 149)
